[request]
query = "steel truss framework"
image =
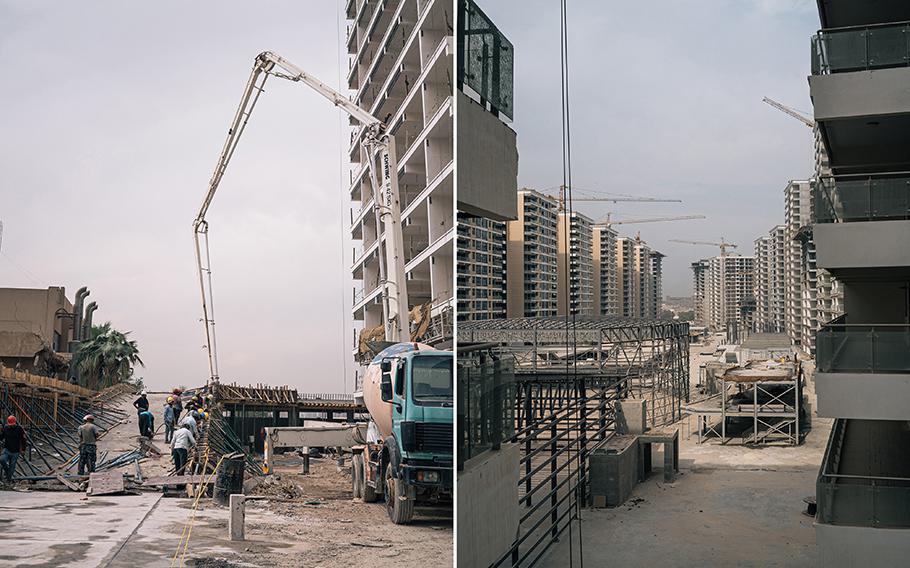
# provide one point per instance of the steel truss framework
(646, 359)
(567, 380)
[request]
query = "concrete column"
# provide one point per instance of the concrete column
(238, 517)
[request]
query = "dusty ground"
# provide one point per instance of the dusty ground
(322, 526)
(731, 505)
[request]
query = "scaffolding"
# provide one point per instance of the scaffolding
(757, 403)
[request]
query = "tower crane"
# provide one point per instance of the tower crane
(609, 222)
(383, 174)
(561, 198)
(722, 244)
(789, 111)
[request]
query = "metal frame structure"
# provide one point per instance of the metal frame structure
(51, 411)
(567, 381)
(772, 400)
(640, 358)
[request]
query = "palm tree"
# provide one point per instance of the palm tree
(107, 358)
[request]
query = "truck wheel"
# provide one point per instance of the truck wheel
(369, 493)
(357, 476)
(401, 511)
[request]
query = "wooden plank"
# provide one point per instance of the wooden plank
(105, 483)
(72, 486)
(178, 479)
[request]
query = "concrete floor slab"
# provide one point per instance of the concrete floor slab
(707, 518)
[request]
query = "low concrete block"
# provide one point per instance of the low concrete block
(238, 517)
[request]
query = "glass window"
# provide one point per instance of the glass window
(432, 379)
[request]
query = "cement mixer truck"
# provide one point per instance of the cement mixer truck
(408, 455)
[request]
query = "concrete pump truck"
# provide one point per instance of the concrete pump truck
(406, 454)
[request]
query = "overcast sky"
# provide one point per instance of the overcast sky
(666, 100)
(114, 115)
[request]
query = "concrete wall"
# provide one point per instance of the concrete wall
(487, 162)
(487, 507)
(862, 93)
(848, 547)
(873, 396)
(33, 312)
(862, 245)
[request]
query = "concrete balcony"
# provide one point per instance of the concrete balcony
(863, 495)
(845, 249)
(863, 371)
(860, 88)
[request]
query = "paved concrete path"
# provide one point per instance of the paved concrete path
(45, 530)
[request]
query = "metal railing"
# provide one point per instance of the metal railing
(862, 198)
(861, 48)
(863, 348)
(859, 500)
(486, 395)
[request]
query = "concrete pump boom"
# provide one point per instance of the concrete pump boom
(379, 145)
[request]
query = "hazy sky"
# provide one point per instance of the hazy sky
(666, 100)
(114, 115)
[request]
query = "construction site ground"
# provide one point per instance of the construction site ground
(304, 521)
(731, 505)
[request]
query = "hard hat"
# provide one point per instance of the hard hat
(144, 392)
(177, 391)
(170, 399)
(11, 420)
(89, 418)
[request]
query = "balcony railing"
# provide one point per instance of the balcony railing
(486, 399)
(862, 198)
(859, 500)
(861, 48)
(861, 348)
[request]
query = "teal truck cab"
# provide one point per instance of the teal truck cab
(408, 458)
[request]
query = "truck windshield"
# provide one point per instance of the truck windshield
(432, 379)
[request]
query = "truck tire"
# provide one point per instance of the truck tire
(401, 511)
(369, 493)
(357, 476)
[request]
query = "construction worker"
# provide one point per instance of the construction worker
(190, 422)
(178, 404)
(88, 445)
(14, 442)
(146, 424)
(142, 403)
(180, 446)
(169, 420)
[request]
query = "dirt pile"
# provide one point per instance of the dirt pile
(276, 486)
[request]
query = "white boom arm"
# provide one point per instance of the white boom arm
(379, 146)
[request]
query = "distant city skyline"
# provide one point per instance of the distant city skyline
(668, 107)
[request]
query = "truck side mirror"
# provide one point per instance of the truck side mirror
(385, 365)
(385, 388)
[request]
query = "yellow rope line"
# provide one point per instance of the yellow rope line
(188, 527)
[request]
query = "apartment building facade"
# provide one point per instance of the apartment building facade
(861, 228)
(575, 264)
(724, 285)
(400, 60)
(770, 282)
(799, 259)
(481, 268)
(603, 251)
(531, 257)
(638, 278)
